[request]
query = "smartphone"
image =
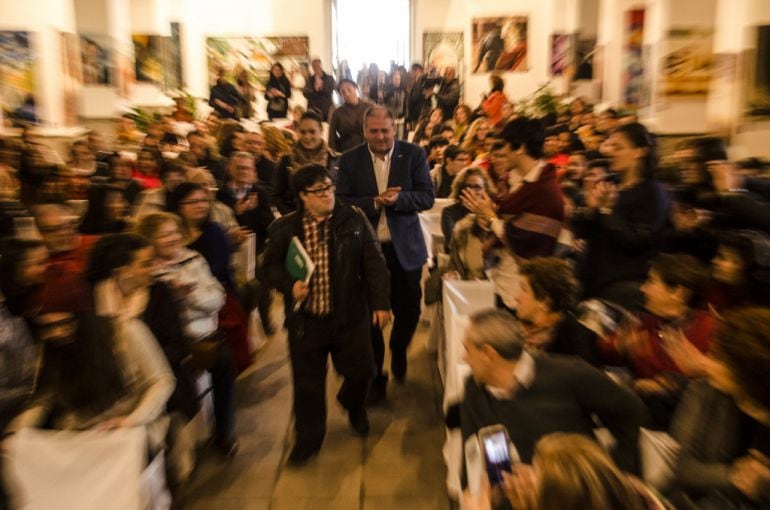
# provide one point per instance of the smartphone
(499, 453)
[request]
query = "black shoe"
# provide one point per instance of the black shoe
(359, 421)
(377, 392)
(228, 447)
(302, 453)
(398, 365)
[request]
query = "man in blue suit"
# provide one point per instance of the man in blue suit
(390, 181)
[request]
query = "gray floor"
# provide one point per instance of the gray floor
(399, 465)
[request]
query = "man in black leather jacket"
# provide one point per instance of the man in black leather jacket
(332, 313)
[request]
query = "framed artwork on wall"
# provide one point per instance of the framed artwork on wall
(562, 54)
(687, 62)
(443, 49)
(633, 65)
(256, 55)
(149, 60)
(17, 77)
(96, 58)
(499, 44)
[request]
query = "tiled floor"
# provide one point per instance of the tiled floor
(399, 465)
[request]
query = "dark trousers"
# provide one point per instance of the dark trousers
(223, 393)
(405, 296)
(311, 341)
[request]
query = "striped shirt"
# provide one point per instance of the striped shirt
(319, 300)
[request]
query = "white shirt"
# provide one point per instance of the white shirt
(524, 374)
(381, 174)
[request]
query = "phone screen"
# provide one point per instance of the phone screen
(497, 455)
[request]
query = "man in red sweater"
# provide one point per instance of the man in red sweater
(526, 220)
(68, 249)
(674, 283)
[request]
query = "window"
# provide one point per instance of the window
(370, 32)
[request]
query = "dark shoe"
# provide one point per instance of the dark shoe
(359, 421)
(377, 392)
(228, 447)
(398, 365)
(302, 453)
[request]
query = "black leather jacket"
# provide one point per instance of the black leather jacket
(359, 277)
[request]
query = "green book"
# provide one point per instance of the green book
(298, 263)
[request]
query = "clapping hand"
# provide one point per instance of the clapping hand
(603, 195)
(246, 203)
(751, 474)
(723, 175)
(388, 197)
(683, 353)
(479, 204)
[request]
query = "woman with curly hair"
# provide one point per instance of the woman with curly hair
(476, 136)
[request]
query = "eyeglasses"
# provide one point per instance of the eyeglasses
(194, 202)
(319, 192)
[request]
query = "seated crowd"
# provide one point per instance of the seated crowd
(631, 289)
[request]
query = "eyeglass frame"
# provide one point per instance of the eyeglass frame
(321, 192)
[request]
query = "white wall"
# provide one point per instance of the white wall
(588, 12)
(456, 15)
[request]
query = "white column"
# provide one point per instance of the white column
(45, 20)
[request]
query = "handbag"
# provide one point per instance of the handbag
(205, 352)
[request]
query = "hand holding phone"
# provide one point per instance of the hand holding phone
(499, 454)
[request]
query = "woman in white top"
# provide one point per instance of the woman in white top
(201, 297)
(98, 374)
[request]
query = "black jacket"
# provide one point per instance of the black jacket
(359, 276)
(621, 245)
(563, 397)
(448, 97)
(257, 219)
(321, 100)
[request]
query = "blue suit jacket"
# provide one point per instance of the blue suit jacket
(357, 185)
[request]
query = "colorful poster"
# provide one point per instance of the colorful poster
(633, 67)
(96, 56)
(72, 76)
(499, 44)
(255, 55)
(443, 49)
(687, 62)
(562, 51)
(17, 79)
(148, 58)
